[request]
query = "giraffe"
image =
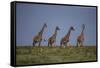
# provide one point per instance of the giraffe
(64, 41)
(38, 37)
(80, 38)
(52, 39)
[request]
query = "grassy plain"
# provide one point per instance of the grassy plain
(27, 55)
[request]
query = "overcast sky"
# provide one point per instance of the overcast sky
(31, 17)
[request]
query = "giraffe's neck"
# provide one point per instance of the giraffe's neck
(55, 33)
(41, 31)
(82, 31)
(68, 34)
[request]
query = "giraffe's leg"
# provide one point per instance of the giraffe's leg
(77, 44)
(54, 45)
(60, 44)
(40, 43)
(64, 44)
(51, 44)
(33, 43)
(81, 44)
(68, 44)
(48, 44)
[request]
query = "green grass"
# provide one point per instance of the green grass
(42, 55)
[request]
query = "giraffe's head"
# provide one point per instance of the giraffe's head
(45, 25)
(57, 28)
(72, 28)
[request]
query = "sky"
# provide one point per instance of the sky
(31, 17)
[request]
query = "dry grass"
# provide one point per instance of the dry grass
(42, 55)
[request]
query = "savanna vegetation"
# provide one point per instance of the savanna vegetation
(26, 55)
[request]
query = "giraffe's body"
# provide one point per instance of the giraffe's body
(64, 41)
(38, 37)
(52, 39)
(80, 38)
